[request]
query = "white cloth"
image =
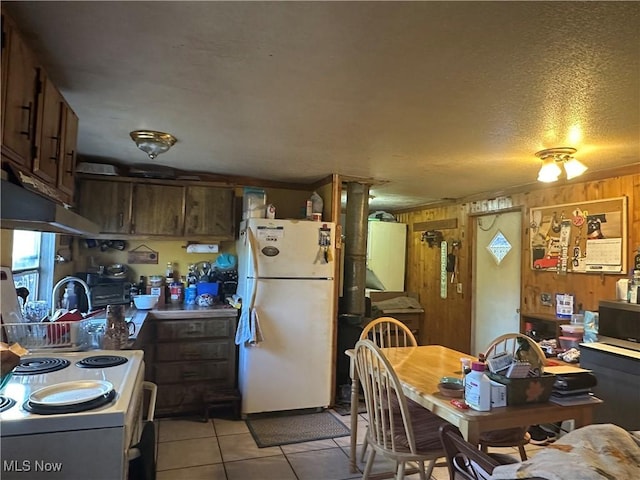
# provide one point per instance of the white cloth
(594, 452)
(248, 331)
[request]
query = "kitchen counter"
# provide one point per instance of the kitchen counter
(174, 312)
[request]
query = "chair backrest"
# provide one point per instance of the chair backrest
(389, 418)
(388, 332)
(521, 347)
(464, 460)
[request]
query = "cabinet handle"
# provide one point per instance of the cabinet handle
(57, 149)
(121, 219)
(71, 154)
(28, 132)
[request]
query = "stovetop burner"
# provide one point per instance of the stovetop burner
(6, 403)
(101, 361)
(36, 366)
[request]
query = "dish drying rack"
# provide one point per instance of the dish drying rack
(60, 336)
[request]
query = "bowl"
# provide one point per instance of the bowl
(451, 389)
(145, 302)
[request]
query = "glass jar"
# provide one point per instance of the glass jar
(116, 333)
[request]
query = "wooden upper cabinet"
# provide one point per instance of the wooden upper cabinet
(106, 203)
(20, 91)
(49, 143)
(209, 211)
(158, 210)
(67, 165)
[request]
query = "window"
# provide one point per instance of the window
(32, 262)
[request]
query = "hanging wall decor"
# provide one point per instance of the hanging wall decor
(585, 237)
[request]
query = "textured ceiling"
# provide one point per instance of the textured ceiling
(432, 99)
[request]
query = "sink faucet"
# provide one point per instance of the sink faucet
(56, 288)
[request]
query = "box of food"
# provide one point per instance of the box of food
(521, 391)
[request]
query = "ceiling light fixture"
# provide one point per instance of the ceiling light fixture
(153, 143)
(550, 171)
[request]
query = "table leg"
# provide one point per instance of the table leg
(354, 420)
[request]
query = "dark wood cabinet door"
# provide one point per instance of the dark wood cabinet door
(106, 203)
(49, 141)
(20, 91)
(158, 210)
(67, 167)
(209, 211)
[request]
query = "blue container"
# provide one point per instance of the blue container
(207, 287)
(190, 295)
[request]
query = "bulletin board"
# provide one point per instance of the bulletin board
(585, 237)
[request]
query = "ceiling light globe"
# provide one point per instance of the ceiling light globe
(574, 168)
(549, 172)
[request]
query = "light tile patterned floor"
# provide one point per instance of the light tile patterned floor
(189, 449)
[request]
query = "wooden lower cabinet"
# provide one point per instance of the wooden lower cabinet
(194, 360)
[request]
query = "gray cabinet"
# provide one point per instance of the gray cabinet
(194, 360)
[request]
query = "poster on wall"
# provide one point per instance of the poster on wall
(586, 237)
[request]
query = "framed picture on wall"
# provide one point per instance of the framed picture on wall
(585, 237)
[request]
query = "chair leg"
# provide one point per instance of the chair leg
(369, 465)
(364, 448)
(421, 472)
(400, 471)
(523, 453)
(432, 463)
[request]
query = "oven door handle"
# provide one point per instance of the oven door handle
(153, 394)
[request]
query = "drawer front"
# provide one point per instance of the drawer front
(210, 350)
(184, 329)
(174, 398)
(179, 372)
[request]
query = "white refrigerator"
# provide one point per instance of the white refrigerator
(286, 278)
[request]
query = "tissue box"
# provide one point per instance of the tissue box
(521, 391)
(498, 394)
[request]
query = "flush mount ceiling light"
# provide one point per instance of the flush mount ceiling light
(153, 143)
(550, 171)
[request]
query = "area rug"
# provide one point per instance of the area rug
(270, 431)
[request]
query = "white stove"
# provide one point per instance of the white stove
(85, 444)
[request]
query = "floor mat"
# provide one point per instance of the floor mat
(270, 431)
(345, 408)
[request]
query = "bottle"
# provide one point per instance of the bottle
(477, 388)
(142, 286)
(70, 299)
(634, 285)
(169, 272)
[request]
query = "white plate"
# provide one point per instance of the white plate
(70, 393)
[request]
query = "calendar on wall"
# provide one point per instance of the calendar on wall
(585, 237)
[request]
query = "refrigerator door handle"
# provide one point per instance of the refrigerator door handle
(253, 253)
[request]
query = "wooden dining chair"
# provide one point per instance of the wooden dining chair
(395, 431)
(525, 349)
(386, 332)
(465, 461)
(389, 332)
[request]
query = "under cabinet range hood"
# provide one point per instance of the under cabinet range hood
(23, 209)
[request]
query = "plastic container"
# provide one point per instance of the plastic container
(477, 388)
(254, 203)
(207, 287)
(567, 343)
(190, 295)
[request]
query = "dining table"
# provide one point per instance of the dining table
(420, 369)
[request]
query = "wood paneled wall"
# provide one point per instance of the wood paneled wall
(448, 321)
